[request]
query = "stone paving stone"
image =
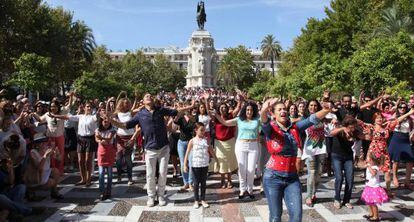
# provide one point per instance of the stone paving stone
(84, 205)
(164, 216)
(343, 210)
(407, 211)
(42, 217)
(248, 210)
(71, 180)
(308, 215)
(122, 208)
(213, 211)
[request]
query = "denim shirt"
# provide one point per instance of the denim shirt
(290, 146)
(153, 127)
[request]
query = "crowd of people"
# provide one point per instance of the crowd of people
(202, 132)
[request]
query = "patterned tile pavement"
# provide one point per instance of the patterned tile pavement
(128, 203)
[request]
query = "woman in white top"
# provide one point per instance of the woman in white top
(125, 138)
(400, 147)
(55, 130)
(40, 160)
(87, 124)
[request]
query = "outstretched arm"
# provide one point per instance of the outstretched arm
(230, 122)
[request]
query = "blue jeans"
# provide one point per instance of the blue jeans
(277, 188)
(13, 200)
(182, 149)
(343, 167)
(102, 187)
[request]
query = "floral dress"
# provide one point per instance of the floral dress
(379, 138)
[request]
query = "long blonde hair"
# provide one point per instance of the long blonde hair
(120, 103)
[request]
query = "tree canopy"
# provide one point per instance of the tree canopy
(355, 47)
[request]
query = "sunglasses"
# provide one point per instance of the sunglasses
(402, 107)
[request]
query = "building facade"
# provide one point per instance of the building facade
(180, 56)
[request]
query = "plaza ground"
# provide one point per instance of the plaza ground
(128, 203)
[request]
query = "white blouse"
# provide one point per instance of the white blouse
(87, 124)
(199, 152)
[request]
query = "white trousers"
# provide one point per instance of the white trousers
(246, 153)
(161, 156)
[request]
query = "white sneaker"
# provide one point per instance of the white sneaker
(162, 201)
(196, 205)
(150, 202)
(130, 182)
(205, 204)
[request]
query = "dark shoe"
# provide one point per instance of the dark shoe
(38, 210)
(108, 195)
(241, 196)
(367, 216)
(102, 197)
(56, 196)
(251, 196)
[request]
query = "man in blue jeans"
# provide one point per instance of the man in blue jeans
(280, 179)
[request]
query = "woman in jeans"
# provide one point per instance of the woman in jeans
(314, 150)
(281, 180)
(186, 123)
(247, 146)
(343, 138)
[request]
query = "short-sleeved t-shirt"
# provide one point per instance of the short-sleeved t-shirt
(247, 129)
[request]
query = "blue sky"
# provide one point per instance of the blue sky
(132, 24)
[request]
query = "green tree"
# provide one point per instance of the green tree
(394, 22)
(32, 72)
(271, 49)
(236, 69)
(384, 62)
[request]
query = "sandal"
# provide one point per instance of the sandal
(395, 183)
(349, 206)
(367, 216)
(337, 205)
(223, 184)
(229, 185)
(374, 219)
(309, 202)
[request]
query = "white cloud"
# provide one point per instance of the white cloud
(298, 4)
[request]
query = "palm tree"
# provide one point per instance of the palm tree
(394, 22)
(271, 49)
(83, 35)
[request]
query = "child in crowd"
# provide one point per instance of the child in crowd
(104, 136)
(200, 152)
(373, 193)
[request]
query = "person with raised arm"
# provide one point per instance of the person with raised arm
(224, 142)
(247, 145)
(151, 120)
(281, 180)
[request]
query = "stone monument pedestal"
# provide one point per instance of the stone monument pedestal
(202, 61)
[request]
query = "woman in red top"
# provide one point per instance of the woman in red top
(224, 145)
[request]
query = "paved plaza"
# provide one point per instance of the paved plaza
(128, 203)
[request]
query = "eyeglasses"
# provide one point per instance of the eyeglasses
(402, 107)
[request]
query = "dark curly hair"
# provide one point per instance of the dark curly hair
(255, 115)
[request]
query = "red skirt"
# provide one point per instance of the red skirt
(106, 155)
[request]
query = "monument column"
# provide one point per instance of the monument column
(202, 59)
